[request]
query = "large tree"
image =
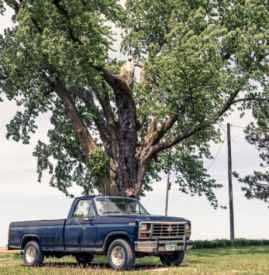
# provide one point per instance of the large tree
(116, 126)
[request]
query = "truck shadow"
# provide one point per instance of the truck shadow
(105, 266)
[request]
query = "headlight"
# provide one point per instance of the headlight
(144, 231)
(143, 227)
(188, 229)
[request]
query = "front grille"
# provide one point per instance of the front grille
(168, 231)
(162, 231)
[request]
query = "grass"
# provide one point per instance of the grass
(225, 261)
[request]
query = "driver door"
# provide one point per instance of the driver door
(80, 228)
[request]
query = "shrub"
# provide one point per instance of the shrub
(222, 243)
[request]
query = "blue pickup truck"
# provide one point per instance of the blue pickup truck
(118, 227)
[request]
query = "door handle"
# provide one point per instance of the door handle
(86, 221)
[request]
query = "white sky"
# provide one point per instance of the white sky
(22, 198)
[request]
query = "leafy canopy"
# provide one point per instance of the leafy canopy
(197, 61)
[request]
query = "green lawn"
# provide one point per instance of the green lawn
(229, 261)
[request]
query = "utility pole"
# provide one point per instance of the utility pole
(230, 183)
(168, 187)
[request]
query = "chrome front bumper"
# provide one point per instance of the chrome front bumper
(162, 246)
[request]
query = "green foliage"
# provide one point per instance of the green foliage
(255, 184)
(198, 57)
(192, 178)
(98, 162)
(62, 156)
(2, 8)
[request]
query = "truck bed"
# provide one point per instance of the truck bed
(37, 223)
(50, 233)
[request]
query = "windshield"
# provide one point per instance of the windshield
(109, 206)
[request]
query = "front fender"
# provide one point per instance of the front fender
(117, 235)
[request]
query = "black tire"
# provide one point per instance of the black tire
(84, 259)
(121, 255)
(173, 259)
(33, 255)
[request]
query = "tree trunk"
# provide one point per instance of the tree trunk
(112, 184)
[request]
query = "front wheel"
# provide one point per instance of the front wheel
(174, 259)
(84, 259)
(120, 255)
(33, 255)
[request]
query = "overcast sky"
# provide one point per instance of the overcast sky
(22, 198)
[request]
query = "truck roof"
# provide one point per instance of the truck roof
(98, 196)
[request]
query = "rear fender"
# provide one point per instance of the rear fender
(29, 237)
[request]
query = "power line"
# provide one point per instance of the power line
(224, 141)
(222, 128)
(237, 126)
(234, 138)
(216, 156)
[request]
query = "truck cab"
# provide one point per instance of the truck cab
(118, 227)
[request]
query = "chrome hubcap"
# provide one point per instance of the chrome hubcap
(118, 256)
(30, 254)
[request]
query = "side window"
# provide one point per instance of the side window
(84, 210)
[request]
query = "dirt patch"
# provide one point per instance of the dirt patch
(4, 250)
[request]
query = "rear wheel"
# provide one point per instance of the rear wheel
(33, 255)
(173, 259)
(120, 255)
(84, 259)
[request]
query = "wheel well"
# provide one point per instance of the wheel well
(27, 239)
(114, 237)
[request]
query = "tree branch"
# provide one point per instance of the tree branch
(2, 76)
(114, 81)
(15, 5)
(245, 99)
(86, 140)
(155, 134)
(104, 101)
(61, 9)
(165, 127)
(100, 123)
(190, 132)
(82, 133)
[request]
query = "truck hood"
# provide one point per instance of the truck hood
(146, 218)
(159, 219)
